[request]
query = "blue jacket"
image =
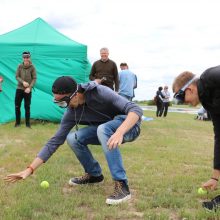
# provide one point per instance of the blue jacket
(127, 83)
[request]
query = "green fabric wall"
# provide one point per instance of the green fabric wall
(52, 54)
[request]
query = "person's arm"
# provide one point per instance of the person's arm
(18, 77)
(216, 174)
(67, 123)
(117, 138)
(161, 96)
(25, 173)
(132, 110)
(116, 78)
(47, 151)
(135, 81)
(213, 181)
(92, 73)
(34, 77)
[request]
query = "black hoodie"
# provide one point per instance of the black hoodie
(209, 95)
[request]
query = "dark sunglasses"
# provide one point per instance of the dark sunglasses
(180, 95)
(65, 101)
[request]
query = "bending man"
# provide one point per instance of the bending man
(111, 119)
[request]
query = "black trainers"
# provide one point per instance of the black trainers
(212, 205)
(121, 194)
(86, 179)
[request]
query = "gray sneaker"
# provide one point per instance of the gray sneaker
(86, 179)
(121, 194)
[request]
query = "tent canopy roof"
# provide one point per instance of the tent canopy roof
(37, 32)
(42, 40)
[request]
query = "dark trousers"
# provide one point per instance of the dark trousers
(19, 96)
(159, 111)
(165, 108)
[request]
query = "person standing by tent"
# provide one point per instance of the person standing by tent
(26, 76)
(127, 82)
(104, 71)
(111, 120)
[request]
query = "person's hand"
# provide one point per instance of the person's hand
(115, 140)
(27, 90)
(18, 176)
(25, 84)
(210, 184)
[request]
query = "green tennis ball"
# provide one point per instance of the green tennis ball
(44, 184)
(202, 191)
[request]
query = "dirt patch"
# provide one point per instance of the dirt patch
(174, 216)
(2, 145)
(7, 141)
(68, 189)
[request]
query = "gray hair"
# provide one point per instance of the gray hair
(104, 49)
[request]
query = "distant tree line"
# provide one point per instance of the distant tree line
(149, 102)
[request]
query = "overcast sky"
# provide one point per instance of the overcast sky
(158, 39)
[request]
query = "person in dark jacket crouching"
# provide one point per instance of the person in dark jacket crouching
(205, 90)
(111, 120)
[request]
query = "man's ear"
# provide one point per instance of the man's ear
(193, 88)
(76, 96)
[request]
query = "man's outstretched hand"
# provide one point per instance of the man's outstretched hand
(17, 176)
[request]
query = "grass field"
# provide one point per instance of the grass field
(165, 166)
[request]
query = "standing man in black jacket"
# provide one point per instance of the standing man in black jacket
(204, 90)
(104, 71)
(159, 102)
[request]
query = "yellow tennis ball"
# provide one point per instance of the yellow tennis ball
(44, 184)
(202, 191)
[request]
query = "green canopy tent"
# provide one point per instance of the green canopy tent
(53, 55)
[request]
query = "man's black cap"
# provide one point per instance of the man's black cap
(26, 54)
(64, 85)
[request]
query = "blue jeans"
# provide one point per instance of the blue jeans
(96, 135)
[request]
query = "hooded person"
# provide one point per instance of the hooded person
(109, 120)
(190, 89)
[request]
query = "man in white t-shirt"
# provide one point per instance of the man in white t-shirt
(166, 100)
